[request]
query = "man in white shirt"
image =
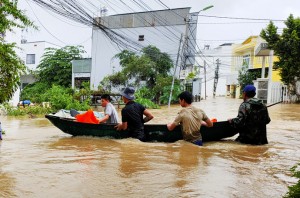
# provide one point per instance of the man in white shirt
(110, 113)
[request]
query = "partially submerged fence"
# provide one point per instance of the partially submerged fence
(279, 93)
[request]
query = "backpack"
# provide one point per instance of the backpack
(258, 113)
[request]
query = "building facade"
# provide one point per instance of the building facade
(172, 31)
(254, 55)
(213, 76)
(31, 53)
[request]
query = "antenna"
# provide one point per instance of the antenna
(103, 11)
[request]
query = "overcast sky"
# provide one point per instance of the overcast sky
(211, 30)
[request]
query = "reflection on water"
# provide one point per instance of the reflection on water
(38, 160)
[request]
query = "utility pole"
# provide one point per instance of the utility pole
(216, 78)
(204, 79)
(172, 86)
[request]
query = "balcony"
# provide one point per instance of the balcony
(262, 50)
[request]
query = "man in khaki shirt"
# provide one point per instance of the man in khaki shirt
(190, 118)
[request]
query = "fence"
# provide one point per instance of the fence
(279, 93)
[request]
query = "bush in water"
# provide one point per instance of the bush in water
(294, 191)
(36, 110)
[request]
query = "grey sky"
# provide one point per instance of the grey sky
(213, 31)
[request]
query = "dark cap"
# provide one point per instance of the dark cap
(128, 93)
(249, 88)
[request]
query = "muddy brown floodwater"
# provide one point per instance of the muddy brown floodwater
(38, 160)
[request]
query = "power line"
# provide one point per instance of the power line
(78, 12)
(44, 26)
(240, 18)
(163, 3)
(233, 23)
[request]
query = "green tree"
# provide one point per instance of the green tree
(163, 62)
(163, 88)
(145, 67)
(151, 66)
(286, 46)
(33, 92)
(11, 66)
(246, 76)
(56, 66)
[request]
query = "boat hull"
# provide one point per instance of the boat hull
(153, 132)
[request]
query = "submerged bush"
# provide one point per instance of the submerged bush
(36, 110)
(294, 191)
(147, 103)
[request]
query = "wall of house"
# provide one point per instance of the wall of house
(37, 48)
(248, 47)
(104, 50)
(161, 28)
(223, 53)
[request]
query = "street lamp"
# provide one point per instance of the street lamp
(206, 8)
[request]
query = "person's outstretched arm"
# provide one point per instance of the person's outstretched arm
(148, 115)
(207, 123)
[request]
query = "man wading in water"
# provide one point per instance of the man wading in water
(252, 119)
(190, 118)
(132, 115)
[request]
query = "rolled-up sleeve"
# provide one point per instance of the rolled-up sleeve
(178, 119)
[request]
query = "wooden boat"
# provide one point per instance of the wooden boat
(153, 132)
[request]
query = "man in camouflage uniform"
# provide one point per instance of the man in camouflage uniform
(252, 119)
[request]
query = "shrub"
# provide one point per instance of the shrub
(33, 92)
(147, 103)
(37, 110)
(294, 191)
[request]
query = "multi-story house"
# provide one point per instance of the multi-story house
(162, 29)
(217, 67)
(31, 53)
(253, 54)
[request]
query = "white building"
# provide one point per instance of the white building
(208, 57)
(31, 53)
(162, 29)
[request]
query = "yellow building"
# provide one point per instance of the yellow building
(254, 55)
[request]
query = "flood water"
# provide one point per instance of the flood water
(38, 160)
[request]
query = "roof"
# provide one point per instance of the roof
(247, 46)
(173, 9)
(32, 42)
(169, 17)
(226, 44)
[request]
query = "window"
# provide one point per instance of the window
(79, 81)
(246, 60)
(30, 59)
(141, 37)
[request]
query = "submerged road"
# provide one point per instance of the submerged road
(38, 160)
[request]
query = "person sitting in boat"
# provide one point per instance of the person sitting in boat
(132, 115)
(190, 118)
(252, 119)
(110, 113)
